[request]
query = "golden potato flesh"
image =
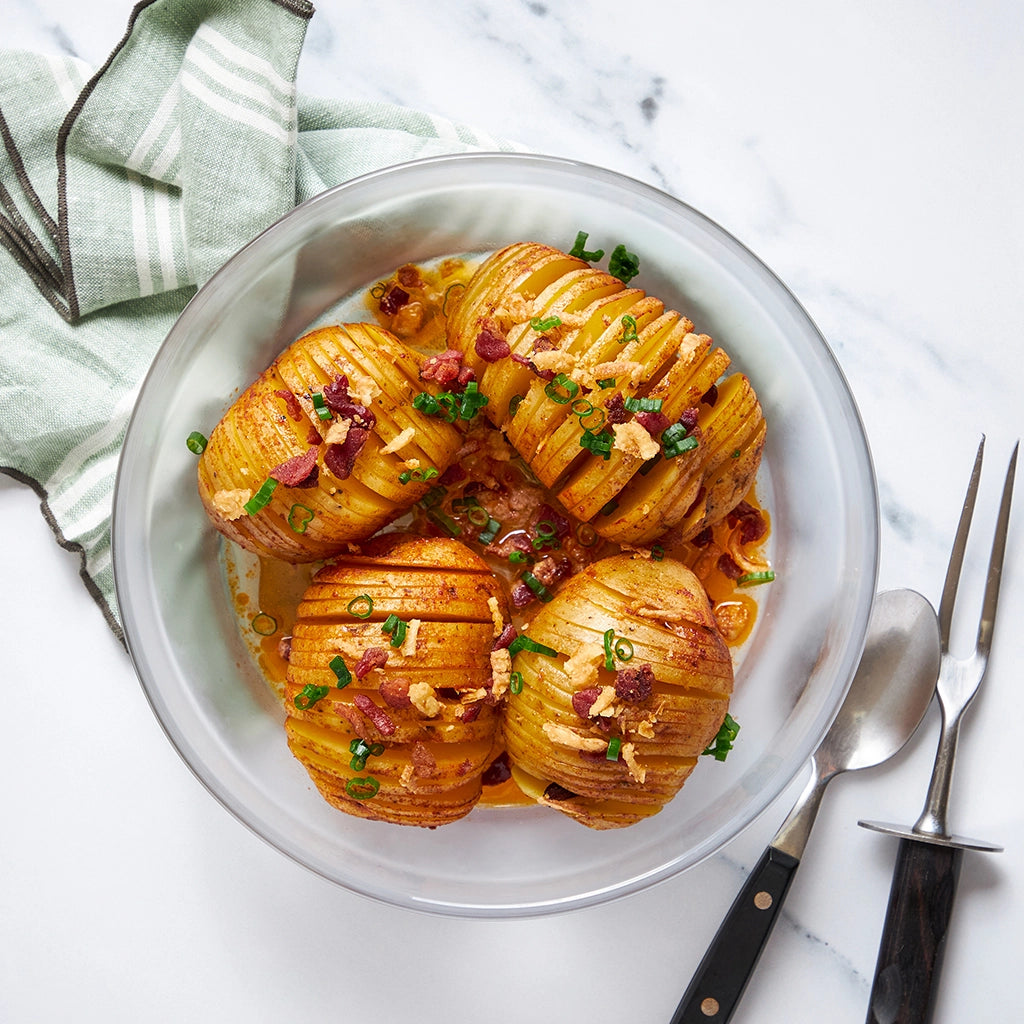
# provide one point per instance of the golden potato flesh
(608, 728)
(393, 689)
(563, 351)
(330, 432)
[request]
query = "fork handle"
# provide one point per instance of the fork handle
(914, 935)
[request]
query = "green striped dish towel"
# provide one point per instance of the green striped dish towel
(121, 191)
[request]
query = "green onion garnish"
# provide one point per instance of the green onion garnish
(723, 742)
(462, 504)
(678, 447)
(548, 324)
(606, 382)
(404, 477)
(582, 407)
(433, 497)
(586, 535)
(487, 535)
(396, 627)
(676, 432)
(362, 789)
(299, 517)
(524, 643)
(536, 586)
(579, 252)
(514, 402)
(562, 389)
(657, 552)
(546, 535)
(361, 607)
(629, 334)
(643, 404)
(623, 649)
(623, 264)
(609, 657)
(614, 748)
(445, 521)
(340, 669)
(261, 498)
(264, 624)
(517, 556)
(515, 682)
(598, 444)
(447, 294)
(196, 443)
(309, 695)
(477, 515)
(751, 579)
(320, 406)
(471, 401)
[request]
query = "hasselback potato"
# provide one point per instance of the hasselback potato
(633, 687)
(327, 433)
(611, 399)
(393, 683)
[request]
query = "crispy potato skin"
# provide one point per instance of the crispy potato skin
(435, 749)
(607, 332)
(661, 609)
(274, 420)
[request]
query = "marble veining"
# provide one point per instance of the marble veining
(872, 156)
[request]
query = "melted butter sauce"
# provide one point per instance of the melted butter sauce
(266, 593)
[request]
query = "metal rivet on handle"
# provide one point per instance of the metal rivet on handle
(763, 900)
(709, 1007)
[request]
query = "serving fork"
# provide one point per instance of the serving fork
(929, 858)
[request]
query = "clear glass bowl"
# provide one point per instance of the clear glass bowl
(817, 479)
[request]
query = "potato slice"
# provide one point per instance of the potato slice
(604, 343)
(275, 424)
(653, 713)
(428, 708)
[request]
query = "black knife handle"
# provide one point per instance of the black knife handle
(716, 988)
(914, 936)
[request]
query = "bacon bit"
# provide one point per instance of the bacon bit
(689, 418)
(583, 700)
(543, 344)
(292, 403)
(284, 648)
(298, 471)
(383, 722)
(704, 538)
(498, 771)
(339, 399)
(373, 657)
(395, 692)
(505, 638)
(341, 458)
(710, 396)
(424, 700)
(615, 409)
(452, 475)
(466, 374)
(753, 525)
(409, 275)
(423, 761)
(491, 346)
(393, 300)
(727, 567)
(546, 514)
(443, 367)
(701, 493)
(471, 712)
(549, 570)
(313, 437)
(230, 505)
(522, 595)
(634, 684)
(654, 423)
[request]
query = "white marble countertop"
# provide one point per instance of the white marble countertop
(872, 154)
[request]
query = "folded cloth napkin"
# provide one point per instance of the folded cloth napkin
(123, 190)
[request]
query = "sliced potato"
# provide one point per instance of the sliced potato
(276, 422)
(609, 747)
(428, 708)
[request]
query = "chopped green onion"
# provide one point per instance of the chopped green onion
(433, 497)
(362, 789)
(361, 607)
(517, 556)
(562, 389)
(546, 535)
(359, 747)
(657, 552)
(723, 742)
(614, 749)
(478, 515)
(196, 443)
(443, 404)
(423, 475)
(586, 535)
(600, 420)
(358, 763)
(678, 447)
(536, 586)
(464, 503)
(606, 382)
(735, 453)
(538, 324)
(598, 444)
(340, 669)
(264, 624)
(623, 649)
(515, 682)
(643, 404)
(261, 498)
(299, 517)
(514, 402)
(376, 749)
(524, 643)
(487, 535)
(445, 521)
(396, 627)
(404, 477)
(676, 432)
(471, 401)
(309, 695)
(751, 579)
(379, 290)
(609, 657)
(608, 508)
(623, 264)
(447, 293)
(582, 407)
(320, 406)
(629, 334)
(579, 252)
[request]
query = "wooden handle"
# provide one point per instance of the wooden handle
(716, 988)
(914, 936)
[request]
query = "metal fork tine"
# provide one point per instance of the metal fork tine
(956, 558)
(995, 565)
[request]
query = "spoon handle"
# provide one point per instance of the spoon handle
(718, 984)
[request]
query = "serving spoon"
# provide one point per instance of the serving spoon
(886, 701)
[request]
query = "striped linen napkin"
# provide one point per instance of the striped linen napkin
(124, 189)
